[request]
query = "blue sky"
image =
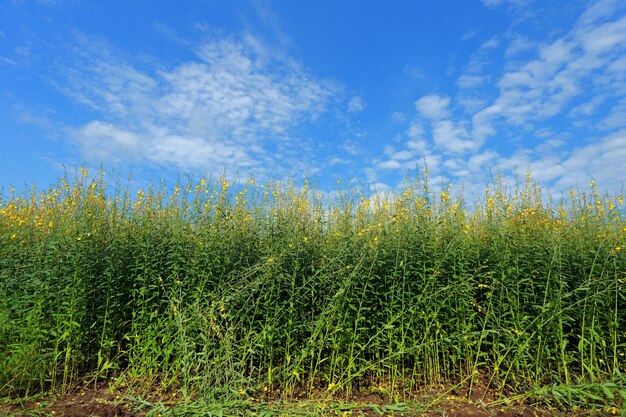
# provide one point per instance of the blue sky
(361, 90)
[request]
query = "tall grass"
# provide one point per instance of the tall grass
(216, 290)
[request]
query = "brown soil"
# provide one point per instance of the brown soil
(79, 402)
(102, 402)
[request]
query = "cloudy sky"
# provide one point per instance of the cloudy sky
(361, 90)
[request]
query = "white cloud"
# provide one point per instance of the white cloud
(192, 152)
(479, 161)
(389, 150)
(403, 155)
(602, 159)
(452, 138)
(338, 161)
(481, 58)
(492, 3)
(105, 142)
(603, 38)
(415, 131)
(598, 10)
(414, 72)
(390, 164)
(417, 146)
(351, 147)
(587, 108)
(517, 3)
(490, 43)
(482, 126)
(577, 74)
(616, 117)
(398, 116)
(8, 61)
(433, 107)
(223, 110)
(356, 105)
(469, 35)
(432, 161)
(472, 103)
(518, 44)
(546, 85)
(469, 81)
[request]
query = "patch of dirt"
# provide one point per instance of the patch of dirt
(475, 405)
(472, 410)
(78, 402)
(100, 401)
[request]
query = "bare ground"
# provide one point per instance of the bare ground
(102, 401)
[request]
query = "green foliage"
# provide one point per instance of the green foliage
(224, 291)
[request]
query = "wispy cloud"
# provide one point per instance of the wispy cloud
(616, 117)
(356, 105)
(474, 74)
(600, 159)
(546, 85)
(469, 81)
(451, 137)
(433, 107)
(236, 106)
(568, 81)
(518, 44)
(101, 141)
(389, 164)
(492, 3)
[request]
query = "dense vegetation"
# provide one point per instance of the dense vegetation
(219, 290)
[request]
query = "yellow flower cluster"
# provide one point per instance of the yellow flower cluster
(83, 204)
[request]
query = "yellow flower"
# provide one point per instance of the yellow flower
(618, 248)
(13, 236)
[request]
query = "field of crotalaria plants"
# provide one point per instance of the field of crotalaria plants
(219, 291)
